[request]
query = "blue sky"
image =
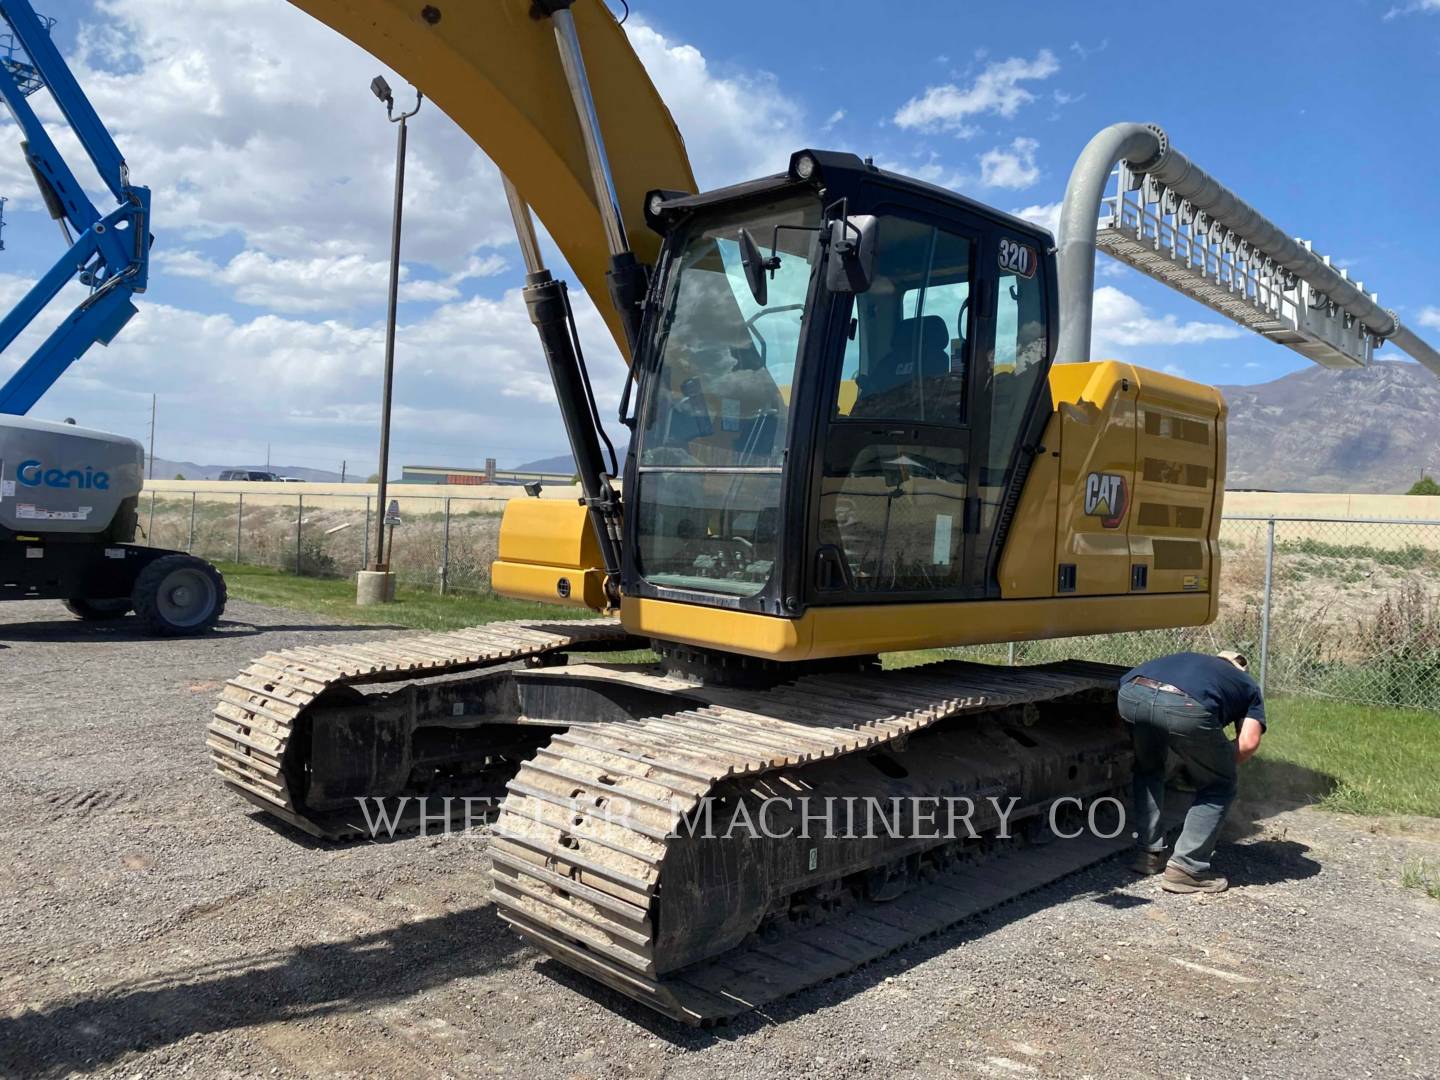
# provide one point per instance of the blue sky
(271, 169)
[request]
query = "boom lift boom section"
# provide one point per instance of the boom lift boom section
(108, 253)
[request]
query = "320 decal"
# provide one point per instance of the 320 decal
(1018, 258)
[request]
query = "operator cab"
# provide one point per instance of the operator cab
(841, 384)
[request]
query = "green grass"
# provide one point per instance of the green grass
(1353, 759)
(1409, 557)
(420, 609)
(1423, 875)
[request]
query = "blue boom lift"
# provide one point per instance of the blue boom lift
(69, 495)
(108, 254)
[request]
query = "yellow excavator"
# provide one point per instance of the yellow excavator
(858, 423)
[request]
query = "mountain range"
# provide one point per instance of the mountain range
(1374, 429)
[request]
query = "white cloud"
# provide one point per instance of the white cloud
(1046, 215)
(322, 283)
(996, 90)
(1010, 166)
(249, 118)
(833, 119)
(737, 126)
(1122, 321)
(1087, 51)
(1422, 6)
(1430, 316)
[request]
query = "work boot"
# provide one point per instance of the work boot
(1179, 880)
(1147, 863)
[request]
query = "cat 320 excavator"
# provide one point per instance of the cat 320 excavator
(859, 423)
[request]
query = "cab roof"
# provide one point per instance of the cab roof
(839, 174)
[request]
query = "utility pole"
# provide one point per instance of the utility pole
(342, 472)
(150, 461)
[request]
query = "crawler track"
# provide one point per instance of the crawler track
(622, 898)
(250, 735)
(605, 771)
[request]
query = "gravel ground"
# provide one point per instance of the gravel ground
(150, 925)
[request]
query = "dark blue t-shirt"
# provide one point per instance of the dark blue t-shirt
(1225, 690)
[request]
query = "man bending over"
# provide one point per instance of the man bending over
(1183, 703)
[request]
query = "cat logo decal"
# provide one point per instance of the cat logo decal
(1107, 498)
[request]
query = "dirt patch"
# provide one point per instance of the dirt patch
(156, 927)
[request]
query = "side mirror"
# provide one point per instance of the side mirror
(851, 265)
(754, 264)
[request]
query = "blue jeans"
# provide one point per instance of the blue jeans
(1161, 722)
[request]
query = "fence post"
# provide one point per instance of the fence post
(365, 563)
(1010, 651)
(299, 526)
(239, 518)
(1265, 603)
(445, 549)
(190, 547)
(150, 531)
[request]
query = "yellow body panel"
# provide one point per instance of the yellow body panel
(548, 553)
(873, 628)
(496, 72)
(1097, 436)
(1165, 438)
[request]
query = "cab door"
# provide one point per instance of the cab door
(895, 497)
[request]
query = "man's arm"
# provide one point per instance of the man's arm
(1248, 741)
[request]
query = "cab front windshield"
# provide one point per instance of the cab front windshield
(713, 431)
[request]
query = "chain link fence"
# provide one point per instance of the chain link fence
(1324, 607)
(1346, 608)
(445, 543)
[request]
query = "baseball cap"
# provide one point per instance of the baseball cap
(1238, 659)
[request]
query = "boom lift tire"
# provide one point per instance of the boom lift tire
(178, 595)
(98, 609)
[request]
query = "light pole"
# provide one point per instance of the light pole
(381, 89)
(381, 564)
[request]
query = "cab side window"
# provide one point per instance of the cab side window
(1021, 345)
(908, 355)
